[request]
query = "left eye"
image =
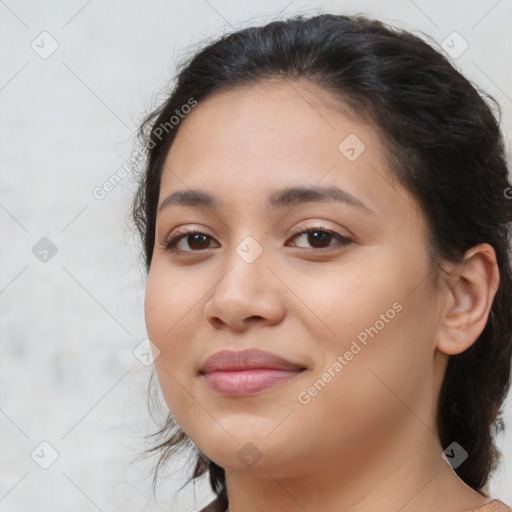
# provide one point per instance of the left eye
(320, 238)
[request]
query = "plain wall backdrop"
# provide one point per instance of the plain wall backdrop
(76, 78)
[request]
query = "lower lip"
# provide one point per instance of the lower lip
(247, 382)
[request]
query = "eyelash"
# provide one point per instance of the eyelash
(170, 245)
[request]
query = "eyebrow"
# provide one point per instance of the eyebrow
(284, 198)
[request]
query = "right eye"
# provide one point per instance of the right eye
(196, 240)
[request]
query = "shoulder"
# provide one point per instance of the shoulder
(493, 506)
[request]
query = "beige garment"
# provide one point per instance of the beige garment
(493, 506)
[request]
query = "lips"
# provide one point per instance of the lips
(247, 372)
(249, 359)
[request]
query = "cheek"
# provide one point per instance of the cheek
(171, 310)
(169, 305)
(359, 298)
(379, 317)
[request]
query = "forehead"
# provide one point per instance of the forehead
(275, 134)
(265, 119)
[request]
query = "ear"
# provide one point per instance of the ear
(467, 299)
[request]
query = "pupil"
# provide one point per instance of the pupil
(196, 238)
(318, 236)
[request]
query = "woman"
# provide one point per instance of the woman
(326, 221)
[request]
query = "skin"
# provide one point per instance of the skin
(367, 441)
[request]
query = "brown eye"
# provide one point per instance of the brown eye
(320, 238)
(195, 240)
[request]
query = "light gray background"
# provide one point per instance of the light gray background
(68, 374)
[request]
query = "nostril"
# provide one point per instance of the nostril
(257, 317)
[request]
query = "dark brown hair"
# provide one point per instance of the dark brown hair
(445, 147)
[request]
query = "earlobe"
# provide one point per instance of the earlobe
(469, 294)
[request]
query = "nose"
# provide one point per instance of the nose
(247, 293)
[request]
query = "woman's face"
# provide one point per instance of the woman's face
(356, 308)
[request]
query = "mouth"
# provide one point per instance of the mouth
(247, 372)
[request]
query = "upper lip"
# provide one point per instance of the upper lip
(230, 360)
